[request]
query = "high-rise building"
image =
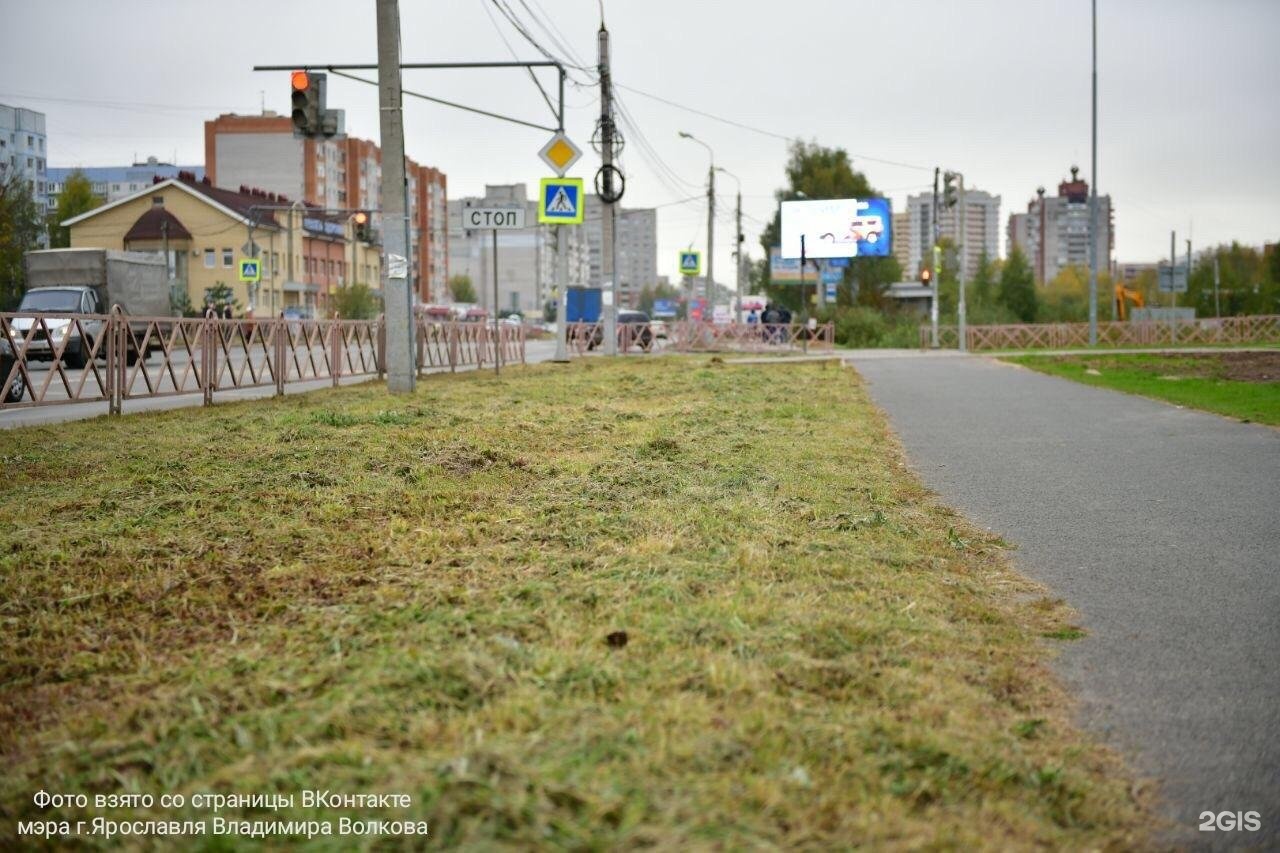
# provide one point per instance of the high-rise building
(23, 151)
(981, 222)
(526, 257)
(637, 232)
(112, 183)
(342, 173)
(1054, 232)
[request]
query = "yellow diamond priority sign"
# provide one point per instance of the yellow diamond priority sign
(560, 153)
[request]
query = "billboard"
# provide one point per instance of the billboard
(664, 308)
(837, 228)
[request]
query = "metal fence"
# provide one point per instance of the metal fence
(116, 357)
(750, 337)
(1262, 328)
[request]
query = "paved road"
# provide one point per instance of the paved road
(1161, 526)
(535, 351)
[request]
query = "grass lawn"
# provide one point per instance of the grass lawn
(1240, 385)
(645, 602)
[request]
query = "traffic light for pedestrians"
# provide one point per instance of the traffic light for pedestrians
(310, 117)
(949, 195)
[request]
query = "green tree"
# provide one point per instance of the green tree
(1018, 287)
(984, 282)
(816, 172)
(77, 197)
(1248, 282)
(461, 288)
(19, 233)
(356, 302)
(220, 296)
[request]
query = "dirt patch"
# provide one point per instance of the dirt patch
(1251, 366)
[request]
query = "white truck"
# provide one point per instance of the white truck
(88, 281)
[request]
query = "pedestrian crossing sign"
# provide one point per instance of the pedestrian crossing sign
(560, 201)
(250, 269)
(690, 263)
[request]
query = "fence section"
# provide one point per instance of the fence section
(115, 357)
(750, 337)
(1264, 328)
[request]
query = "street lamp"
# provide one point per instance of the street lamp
(711, 216)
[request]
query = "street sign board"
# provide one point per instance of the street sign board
(500, 218)
(690, 263)
(830, 276)
(831, 290)
(250, 249)
(560, 201)
(250, 270)
(837, 228)
(783, 270)
(560, 153)
(837, 262)
(1172, 280)
(664, 308)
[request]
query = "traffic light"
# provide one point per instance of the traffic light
(949, 195)
(926, 275)
(310, 117)
(361, 221)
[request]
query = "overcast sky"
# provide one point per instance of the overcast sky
(1189, 111)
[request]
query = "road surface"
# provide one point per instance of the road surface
(1160, 526)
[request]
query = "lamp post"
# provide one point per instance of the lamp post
(711, 216)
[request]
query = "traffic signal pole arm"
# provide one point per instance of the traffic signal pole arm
(339, 70)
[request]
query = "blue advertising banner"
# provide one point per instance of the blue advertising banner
(664, 308)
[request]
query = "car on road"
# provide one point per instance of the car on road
(40, 340)
(659, 329)
(634, 329)
(12, 393)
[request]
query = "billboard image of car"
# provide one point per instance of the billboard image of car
(837, 228)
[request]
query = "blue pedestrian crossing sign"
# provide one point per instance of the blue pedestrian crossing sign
(560, 201)
(250, 269)
(690, 263)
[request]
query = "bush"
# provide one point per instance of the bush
(861, 326)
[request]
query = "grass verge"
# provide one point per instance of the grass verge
(1244, 385)
(632, 603)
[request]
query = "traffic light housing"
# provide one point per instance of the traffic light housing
(926, 275)
(311, 118)
(360, 220)
(949, 193)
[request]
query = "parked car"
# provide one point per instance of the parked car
(634, 329)
(659, 329)
(14, 391)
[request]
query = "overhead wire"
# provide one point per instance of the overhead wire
(512, 50)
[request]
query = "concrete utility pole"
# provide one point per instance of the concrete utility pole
(1093, 197)
(738, 239)
(1217, 309)
(609, 225)
(962, 246)
(937, 267)
(398, 307)
(711, 242)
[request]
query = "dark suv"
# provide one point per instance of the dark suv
(633, 331)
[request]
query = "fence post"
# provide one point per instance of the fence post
(114, 390)
(335, 366)
(281, 326)
(210, 358)
(382, 345)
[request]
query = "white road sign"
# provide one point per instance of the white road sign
(501, 218)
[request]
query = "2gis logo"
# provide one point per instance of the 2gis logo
(1230, 821)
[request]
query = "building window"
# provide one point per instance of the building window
(228, 258)
(210, 259)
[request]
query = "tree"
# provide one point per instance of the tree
(1248, 283)
(652, 293)
(77, 197)
(1018, 287)
(19, 233)
(461, 288)
(818, 173)
(219, 296)
(356, 302)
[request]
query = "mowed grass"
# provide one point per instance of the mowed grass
(1205, 381)
(355, 592)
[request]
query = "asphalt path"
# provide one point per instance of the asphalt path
(535, 351)
(1160, 525)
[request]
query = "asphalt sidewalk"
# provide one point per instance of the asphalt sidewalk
(1159, 524)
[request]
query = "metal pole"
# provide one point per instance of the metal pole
(964, 344)
(804, 303)
(608, 224)
(737, 238)
(711, 240)
(562, 300)
(1173, 281)
(497, 329)
(1217, 309)
(401, 376)
(934, 258)
(1093, 197)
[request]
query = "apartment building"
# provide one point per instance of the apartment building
(24, 151)
(981, 222)
(112, 183)
(637, 249)
(1054, 232)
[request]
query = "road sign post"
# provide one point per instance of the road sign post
(494, 219)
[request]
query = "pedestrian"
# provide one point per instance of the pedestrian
(227, 313)
(752, 317)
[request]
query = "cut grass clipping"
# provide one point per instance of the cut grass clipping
(645, 603)
(1243, 385)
